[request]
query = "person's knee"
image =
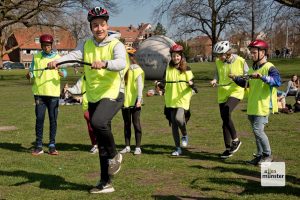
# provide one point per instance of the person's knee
(180, 120)
(100, 125)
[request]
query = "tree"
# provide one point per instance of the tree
(159, 29)
(209, 17)
(290, 3)
(16, 13)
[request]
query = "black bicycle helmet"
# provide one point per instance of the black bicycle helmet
(97, 12)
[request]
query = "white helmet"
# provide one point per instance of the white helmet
(221, 47)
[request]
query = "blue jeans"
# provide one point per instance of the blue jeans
(41, 103)
(262, 142)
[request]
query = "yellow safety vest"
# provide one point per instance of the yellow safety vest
(227, 88)
(131, 92)
(261, 94)
(179, 94)
(48, 84)
(101, 83)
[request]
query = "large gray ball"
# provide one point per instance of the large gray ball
(153, 56)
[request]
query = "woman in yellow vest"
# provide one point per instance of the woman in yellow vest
(134, 83)
(262, 98)
(178, 86)
(46, 91)
(229, 93)
(79, 89)
(104, 89)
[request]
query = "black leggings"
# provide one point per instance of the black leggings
(101, 114)
(229, 131)
(133, 113)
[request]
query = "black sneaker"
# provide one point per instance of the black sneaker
(53, 151)
(37, 151)
(226, 154)
(114, 164)
(102, 187)
(255, 160)
(235, 146)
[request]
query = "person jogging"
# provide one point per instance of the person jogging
(104, 89)
(178, 84)
(134, 81)
(229, 93)
(262, 98)
(46, 91)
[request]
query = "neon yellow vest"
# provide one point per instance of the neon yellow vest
(261, 94)
(49, 82)
(229, 88)
(178, 95)
(101, 83)
(131, 86)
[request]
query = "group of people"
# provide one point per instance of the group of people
(293, 89)
(115, 82)
(234, 79)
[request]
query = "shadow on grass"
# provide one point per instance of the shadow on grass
(179, 197)
(13, 147)
(250, 182)
(47, 181)
(153, 148)
(60, 147)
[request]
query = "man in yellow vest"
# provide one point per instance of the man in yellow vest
(46, 91)
(262, 98)
(104, 89)
(229, 93)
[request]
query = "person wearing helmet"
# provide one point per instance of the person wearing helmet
(104, 89)
(262, 98)
(46, 91)
(178, 84)
(229, 93)
(134, 84)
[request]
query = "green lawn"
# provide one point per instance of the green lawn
(198, 174)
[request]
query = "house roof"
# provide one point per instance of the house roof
(129, 33)
(26, 37)
(200, 40)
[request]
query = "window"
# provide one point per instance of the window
(37, 40)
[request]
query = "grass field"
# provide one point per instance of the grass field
(198, 174)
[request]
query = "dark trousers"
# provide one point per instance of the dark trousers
(229, 131)
(101, 114)
(134, 114)
(41, 104)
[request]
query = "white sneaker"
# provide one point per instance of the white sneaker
(102, 188)
(184, 141)
(126, 150)
(137, 151)
(94, 149)
(177, 152)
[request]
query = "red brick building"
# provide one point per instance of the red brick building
(28, 41)
(133, 36)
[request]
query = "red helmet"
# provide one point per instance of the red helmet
(260, 44)
(176, 48)
(46, 38)
(97, 12)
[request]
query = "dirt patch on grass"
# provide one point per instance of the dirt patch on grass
(168, 185)
(8, 128)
